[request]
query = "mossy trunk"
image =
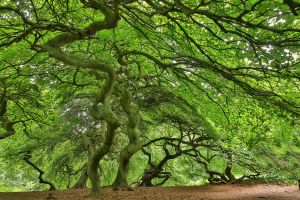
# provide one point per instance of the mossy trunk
(94, 177)
(93, 163)
(125, 155)
(54, 47)
(121, 178)
(134, 142)
(110, 124)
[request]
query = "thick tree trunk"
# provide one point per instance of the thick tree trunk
(121, 178)
(93, 163)
(109, 126)
(94, 177)
(134, 142)
(125, 155)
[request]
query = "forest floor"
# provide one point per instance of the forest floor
(209, 192)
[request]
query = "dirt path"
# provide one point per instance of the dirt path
(210, 192)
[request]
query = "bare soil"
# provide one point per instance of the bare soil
(209, 192)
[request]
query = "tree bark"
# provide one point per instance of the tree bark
(134, 142)
(93, 162)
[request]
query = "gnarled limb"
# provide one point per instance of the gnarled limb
(41, 172)
(111, 124)
(134, 141)
(53, 47)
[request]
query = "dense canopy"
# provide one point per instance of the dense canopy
(146, 92)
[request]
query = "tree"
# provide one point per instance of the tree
(114, 51)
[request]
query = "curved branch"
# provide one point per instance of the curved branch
(41, 172)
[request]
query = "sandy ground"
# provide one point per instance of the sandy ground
(210, 192)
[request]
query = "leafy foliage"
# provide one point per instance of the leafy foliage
(148, 92)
